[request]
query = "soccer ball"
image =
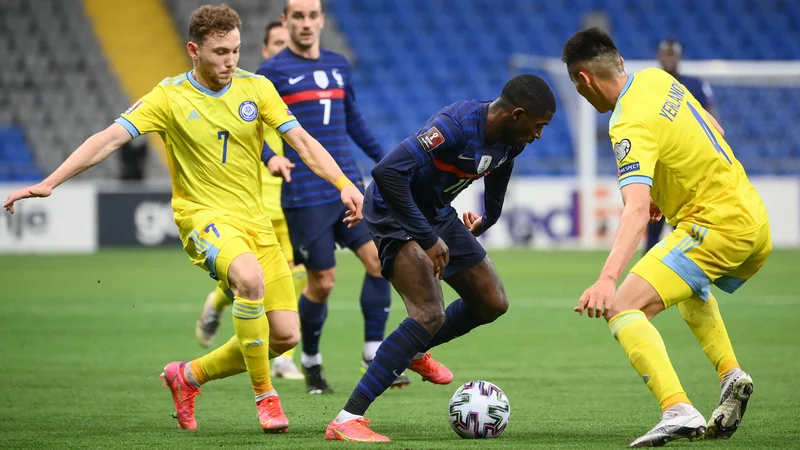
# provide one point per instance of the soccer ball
(479, 410)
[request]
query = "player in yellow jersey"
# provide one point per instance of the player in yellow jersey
(212, 120)
(671, 150)
(275, 40)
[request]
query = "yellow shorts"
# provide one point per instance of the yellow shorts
(692, 257)
(213, 244)
(282, 233)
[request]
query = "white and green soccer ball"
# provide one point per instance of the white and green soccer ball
(479, 410)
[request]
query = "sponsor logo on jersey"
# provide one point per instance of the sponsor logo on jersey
(248, 111)
(431, 139)
(321, 78)
(133, 107)
(621, 149)
(296, 80)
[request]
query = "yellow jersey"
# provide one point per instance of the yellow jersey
(272, 185)
(214, 141)
(662, 138)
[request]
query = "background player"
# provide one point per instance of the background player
(215, 162)
(315, 83)
(421, 240)
(275, 39)
(668, 147)
(670, 54)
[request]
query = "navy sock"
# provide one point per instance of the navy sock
(393, 357)
(459, 319)
(312, 317)
(376, 298)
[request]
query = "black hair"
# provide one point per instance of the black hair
(530, 93)
(588, 45)
(270, 26)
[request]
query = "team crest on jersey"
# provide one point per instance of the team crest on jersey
(133, 107)
(338, 77)
(484, 163)
(621, 149)
(431, 139)
(321, 78)
(248, 111)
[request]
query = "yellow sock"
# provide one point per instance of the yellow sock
(648, 355)
(220, 300)
(252, 330)
(706, 324)
(223, 362)
(300, 280)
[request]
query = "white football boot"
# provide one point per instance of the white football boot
(206, 328)
(678, 421)
(737, 386)
(284, 367)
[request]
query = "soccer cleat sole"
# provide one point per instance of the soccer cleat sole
(682, 433)
(277, 430)
(734, 405)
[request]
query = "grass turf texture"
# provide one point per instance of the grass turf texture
(83, 339)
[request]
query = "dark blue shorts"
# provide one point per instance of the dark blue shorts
(316, 230)
(389, 237)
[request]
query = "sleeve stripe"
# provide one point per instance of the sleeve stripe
(288, 126)
(636, 179)
(128, 126)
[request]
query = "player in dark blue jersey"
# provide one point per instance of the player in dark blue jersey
(670, 54)
(421, 240)
(316, 85)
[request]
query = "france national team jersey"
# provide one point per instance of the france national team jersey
(442, 159)
(320, 94)
(699, 88)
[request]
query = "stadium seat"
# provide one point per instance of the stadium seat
(463, 52)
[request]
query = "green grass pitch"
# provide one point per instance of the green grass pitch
(83, 339)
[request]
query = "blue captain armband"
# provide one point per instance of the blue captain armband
(636, 179)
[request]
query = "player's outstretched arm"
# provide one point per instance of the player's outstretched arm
(632, 224)
(322, 163)
(93, 151)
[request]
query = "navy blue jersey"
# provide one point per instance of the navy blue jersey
(418, 180)
(321, 97)
(700, 89)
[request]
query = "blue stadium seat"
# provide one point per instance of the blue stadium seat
(421, 55)
(16, 157)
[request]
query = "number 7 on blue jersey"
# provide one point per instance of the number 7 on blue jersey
(708, 132)
(224, 135)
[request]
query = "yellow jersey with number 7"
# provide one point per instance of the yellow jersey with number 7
(214, 140)
(662, 137)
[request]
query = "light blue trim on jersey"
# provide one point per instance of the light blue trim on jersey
(636, 179)
(625, 88)
(689, 271)
(205, 90)
(128, 126)
(288, 126)
(729, 284)
(208, 249)
(618, 106)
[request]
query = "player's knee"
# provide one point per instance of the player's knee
(320, 284)
(431, 319)
(249, 285)
(284, 341)
(497, 308)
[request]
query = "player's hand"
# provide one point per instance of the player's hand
(473, 222)
(439, 255)
(280, 166)
(597, 298)
(354, 201)
(37, 190)
(655, 212)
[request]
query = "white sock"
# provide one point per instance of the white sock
(729, 375)
(187, 373)
(370, 349)
(265, 395)
(419, 356)
(344, 416)
(311, 360)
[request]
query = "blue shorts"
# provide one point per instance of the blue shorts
(389, 237)
(315, 231)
